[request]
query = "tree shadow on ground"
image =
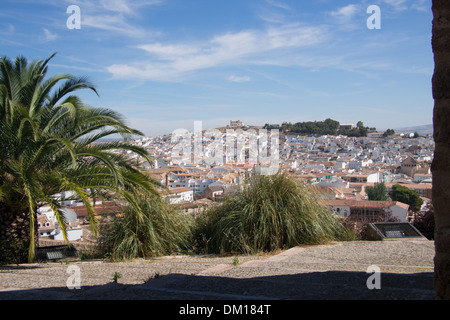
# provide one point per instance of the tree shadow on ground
(328, 285)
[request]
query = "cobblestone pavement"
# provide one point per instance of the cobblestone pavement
(337, 271)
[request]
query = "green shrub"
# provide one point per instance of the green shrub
(116, 276)
(424, 222)
(269, 213)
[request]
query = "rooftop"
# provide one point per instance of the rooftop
(364, 203)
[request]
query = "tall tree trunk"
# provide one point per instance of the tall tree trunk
(441, 164)
(15, 234)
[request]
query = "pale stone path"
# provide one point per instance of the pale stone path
(328, 272)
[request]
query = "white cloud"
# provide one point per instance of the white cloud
(127, 6)
(168, 52)
(114, 15)
(48, 36)
(346, 13)
(421, 5)
(403, 5)
(272, 17)
(74, 67)
(117, 6)
(10, 28)
(114, 23)
(397, 4)
(171, 61)
(278, 4)
(275, 12)
(234, 78)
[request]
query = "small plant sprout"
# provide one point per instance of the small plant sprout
(116, 276)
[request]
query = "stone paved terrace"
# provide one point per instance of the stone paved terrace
(336, 271)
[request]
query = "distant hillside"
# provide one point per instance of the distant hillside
(425, 129)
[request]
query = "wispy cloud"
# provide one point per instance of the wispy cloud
(272, 17)
(7, 29)
(347, 17)
(168, 52)
(48, 36)
(89, 69)
(421, 5)
(397, 4)
(279, 4)
(120, 6)
(172, 60)
(345, 14)
(234, 78)
(114, 15)
(113, 23)
(275, 11)
(125, 7)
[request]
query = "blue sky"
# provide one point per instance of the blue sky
(164, 64)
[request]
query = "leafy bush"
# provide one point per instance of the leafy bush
(269, 213)
(424, 222)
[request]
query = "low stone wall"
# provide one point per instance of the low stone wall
(85, 247)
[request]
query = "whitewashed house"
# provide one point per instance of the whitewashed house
(49, 226)
(179, 195)
(369, 210)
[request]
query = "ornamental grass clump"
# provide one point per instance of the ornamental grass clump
(160, 230)
(270, 213)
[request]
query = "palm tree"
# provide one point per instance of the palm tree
(49, 143)
(441, 167)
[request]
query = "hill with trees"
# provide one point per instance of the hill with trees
(326, 127)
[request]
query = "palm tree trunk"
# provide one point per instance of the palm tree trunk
(15, 235)
(441, 165)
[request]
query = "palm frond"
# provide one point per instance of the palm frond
(49, 143)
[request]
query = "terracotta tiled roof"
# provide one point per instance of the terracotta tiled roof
(364, 203)
(42, 219)
(108, 208)
(176, 190)
(411, 185)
